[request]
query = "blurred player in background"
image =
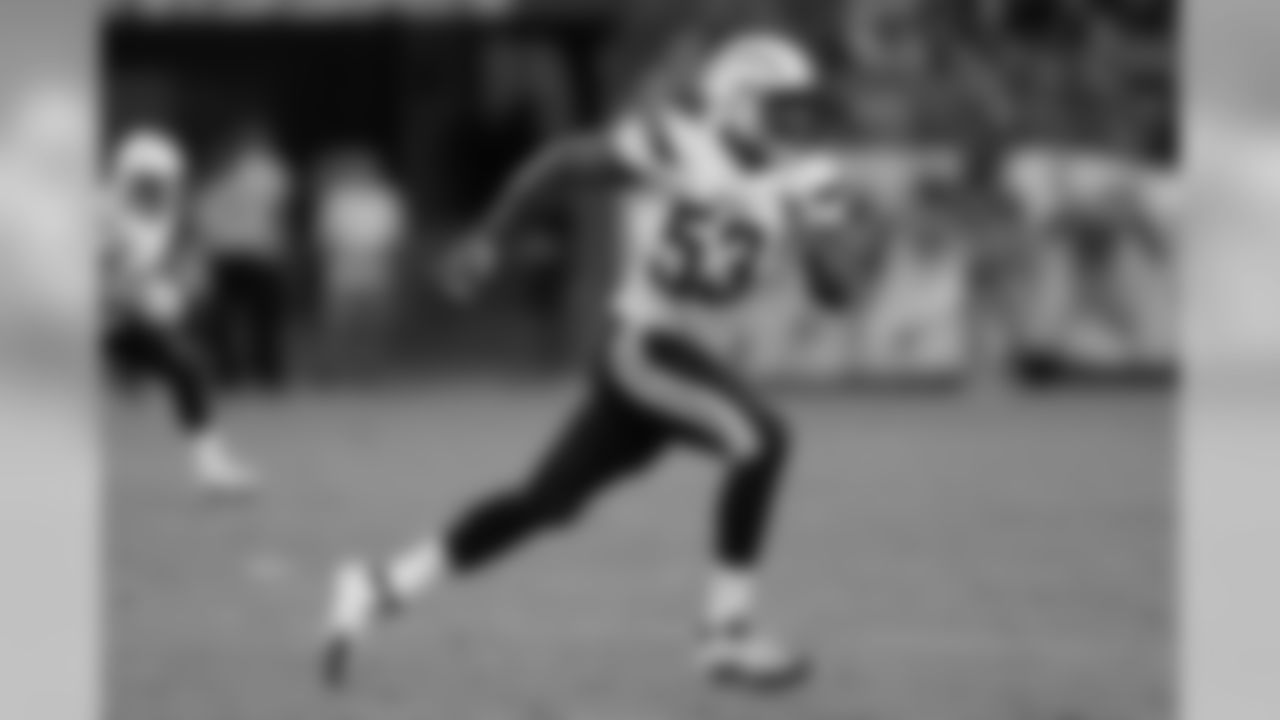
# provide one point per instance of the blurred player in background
(1097, 218)
(241, 215)
(707, 190)
(149, 282)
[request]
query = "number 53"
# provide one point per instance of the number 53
(709, 255)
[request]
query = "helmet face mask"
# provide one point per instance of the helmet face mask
(150, 171)
(807, 117)
(151, 194)
(758, 86)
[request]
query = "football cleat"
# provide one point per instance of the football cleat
(219, 470)
(748, 659)
(359, 600)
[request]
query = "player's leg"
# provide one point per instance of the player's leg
(231, 315)
(164, 349)
(605, 442)
(120, 357)
(270, 326)
(709, 404)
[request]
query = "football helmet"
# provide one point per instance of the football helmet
(149, 172)
(739, 80)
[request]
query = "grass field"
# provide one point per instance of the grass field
(946, 559)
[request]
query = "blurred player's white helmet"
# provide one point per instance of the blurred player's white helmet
(150, 154)
(741, 76)
(149, 171)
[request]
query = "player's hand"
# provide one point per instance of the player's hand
(465, 267)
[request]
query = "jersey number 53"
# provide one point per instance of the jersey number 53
(708, 255)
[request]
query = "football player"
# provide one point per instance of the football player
(1094, 210)
(703, 226)
(148, 288)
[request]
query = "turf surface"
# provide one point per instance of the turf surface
(964, 559)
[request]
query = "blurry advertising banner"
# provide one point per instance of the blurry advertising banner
(907, 314)
(1096, 293)
(909, 324)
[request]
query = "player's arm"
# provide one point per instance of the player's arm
(542, 180)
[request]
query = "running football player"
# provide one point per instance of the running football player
(148, 293)
(704, 225)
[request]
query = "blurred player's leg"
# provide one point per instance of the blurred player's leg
(226, 317)
(269, 328)
(606, 442)
(708, 404)
(166, 352)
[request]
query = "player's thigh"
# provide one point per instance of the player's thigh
(697, 396)
(123, 344)
(605, 441)
(161, 346)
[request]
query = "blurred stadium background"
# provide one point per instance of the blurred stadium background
(422, 113)
(1002, 556)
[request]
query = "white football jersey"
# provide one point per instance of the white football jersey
(145, 189)
(701, 234)
(142, 215)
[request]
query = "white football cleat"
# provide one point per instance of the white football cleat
(358, 601)
(748, 658)
(218, 469)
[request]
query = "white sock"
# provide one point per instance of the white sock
(417, 570)
(210, 443)
(731, 598)
(211, 452)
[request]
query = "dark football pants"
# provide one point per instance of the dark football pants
(166, 352)
(247, 321)
(650, 391)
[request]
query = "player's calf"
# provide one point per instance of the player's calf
(745, 510)
(362, 596)
(737, 650)
(192, 399)
(602, 445)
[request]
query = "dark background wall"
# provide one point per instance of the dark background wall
(452, 106)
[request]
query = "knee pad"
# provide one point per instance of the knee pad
(770, 444)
